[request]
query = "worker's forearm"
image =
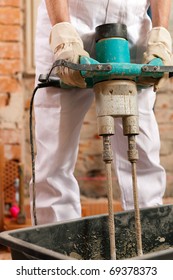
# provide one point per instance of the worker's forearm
(160, 10)
(57, 11)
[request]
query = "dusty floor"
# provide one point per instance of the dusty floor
(5, 252)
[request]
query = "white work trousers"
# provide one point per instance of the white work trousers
(59, 115)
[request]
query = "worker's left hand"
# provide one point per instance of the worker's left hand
(66, 44)
(159, 45)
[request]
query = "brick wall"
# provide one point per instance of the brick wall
(164, 115)
(11, 88)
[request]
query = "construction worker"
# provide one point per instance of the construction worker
(65, 30)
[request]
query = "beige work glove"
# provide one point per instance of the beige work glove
(66, 44)
(159, 45)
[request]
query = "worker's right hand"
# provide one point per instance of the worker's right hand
(159, 45)
(66, 44)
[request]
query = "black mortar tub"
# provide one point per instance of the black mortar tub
(88, 238)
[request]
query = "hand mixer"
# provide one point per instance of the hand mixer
(114, 80)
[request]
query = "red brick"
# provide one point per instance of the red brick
(3, 100)
(12, 152)
(164, 101)
(8, 84)
(13, 3)
(164, 116)
(92, 206)
(10, 33)
(10, 136)
(27, 104)
(166, 131)
(167, 162)
(10, 50)
(10, 15)
(9, 67)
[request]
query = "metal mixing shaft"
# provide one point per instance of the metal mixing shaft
(131, 129)
(132, 144)
(107, 158)
(106, 129)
